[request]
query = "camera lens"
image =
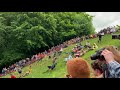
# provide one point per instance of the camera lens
(93, 57)
(102, 57)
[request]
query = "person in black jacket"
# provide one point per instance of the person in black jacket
(53, 66)
(100, 37)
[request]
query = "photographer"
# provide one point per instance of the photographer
(113, 66)
(111, 59)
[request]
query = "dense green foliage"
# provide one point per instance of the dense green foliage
(23, 34)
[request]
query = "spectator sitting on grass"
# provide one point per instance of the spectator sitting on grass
(30, 69)
(3, 72)
(0, 75)
(95, 46)
(49, 56)
(77, 54)
(54, 59)
(88, 46)
(80, 47)
(91, 36)
(61, 49)
(28, 72)
(52, 67)
(19, 71)
(75, 49)
(68, 58)
(54, 55)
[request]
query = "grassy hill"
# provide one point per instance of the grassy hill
(39, 68)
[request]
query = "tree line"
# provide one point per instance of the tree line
(23, 34)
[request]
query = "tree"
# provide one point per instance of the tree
(23, 34)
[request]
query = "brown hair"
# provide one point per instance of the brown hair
(115, 52)
(97, 65)
(78, 68)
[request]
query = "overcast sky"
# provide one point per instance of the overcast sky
(105, 19)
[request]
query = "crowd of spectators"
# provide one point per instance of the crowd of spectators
(76, 52)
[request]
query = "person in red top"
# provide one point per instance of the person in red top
(13, 76)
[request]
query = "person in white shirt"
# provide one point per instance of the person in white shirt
(102, 33)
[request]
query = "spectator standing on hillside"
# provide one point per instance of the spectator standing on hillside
(102, 33)
(112, 30)
(100, 37)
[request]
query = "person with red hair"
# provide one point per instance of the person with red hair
(78, 68)
(12, 76)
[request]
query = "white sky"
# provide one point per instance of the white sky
(105, 19)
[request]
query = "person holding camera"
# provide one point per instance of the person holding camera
(113, 66)
(111, 59)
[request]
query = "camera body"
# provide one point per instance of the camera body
(98, 55)
(115, 36)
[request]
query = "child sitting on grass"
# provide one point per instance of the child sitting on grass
(95, 46)
(29, 71)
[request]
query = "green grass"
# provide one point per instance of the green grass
(38, 69)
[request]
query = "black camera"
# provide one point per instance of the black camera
(115, 36)
(98, 55)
